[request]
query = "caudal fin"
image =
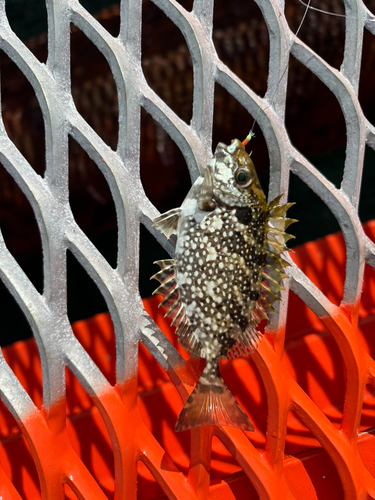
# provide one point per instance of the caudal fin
(212, 405)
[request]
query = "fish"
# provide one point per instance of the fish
(225, 276)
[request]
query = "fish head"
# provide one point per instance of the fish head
(230, 178)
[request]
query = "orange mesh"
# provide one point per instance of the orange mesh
(316, 395)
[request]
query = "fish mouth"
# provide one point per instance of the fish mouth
(232, 148)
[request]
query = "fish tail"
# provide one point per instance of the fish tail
(212, 404)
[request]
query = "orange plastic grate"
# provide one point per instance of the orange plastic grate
(312, 368)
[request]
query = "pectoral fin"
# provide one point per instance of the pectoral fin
(170, 292)
(167, 222)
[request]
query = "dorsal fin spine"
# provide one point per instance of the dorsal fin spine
(273, 274)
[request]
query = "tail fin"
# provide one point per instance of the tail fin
(212, 404)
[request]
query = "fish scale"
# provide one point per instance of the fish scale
(225, 276)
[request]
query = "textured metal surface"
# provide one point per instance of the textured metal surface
(44, 428)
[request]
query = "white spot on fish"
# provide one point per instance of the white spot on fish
(189, 206)
(181, 279)
(190, 308)
(210, 288)
(212, 254)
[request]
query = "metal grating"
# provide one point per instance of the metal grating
(45, 429)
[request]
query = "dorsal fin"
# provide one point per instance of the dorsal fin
(170, 292)
(272, 277)
(167, 222)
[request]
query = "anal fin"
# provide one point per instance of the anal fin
(246, 343)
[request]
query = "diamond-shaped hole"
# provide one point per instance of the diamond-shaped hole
(368, 409)
(246, 384)
(147, 486)
(24, 360)
(20, 230)
(84, 301)
(19, 466)
(222, 462)
(366, 428)
(92, 203)
(367, 75)
(159, 404)
(367, 307)
(186, 4)
(21, 114)
(27, 19)
(241, 40)
(299, 438)
(314, 119)
(166, 61)
(323, 33)
(315, 469)
(15, 455)
(314, 217)
(107, 15)
(69, 493)
(93, 88)
(97, 336)
(367, 199)
(164, 173)
(314, 361)
(226, 474)
(88, 434)
(14, 325)
(324, 259)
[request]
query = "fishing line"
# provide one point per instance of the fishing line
(308, 7)
(251, 133)
(328, 12)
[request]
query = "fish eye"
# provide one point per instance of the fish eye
(242, 177)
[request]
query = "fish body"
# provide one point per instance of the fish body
(224, 278)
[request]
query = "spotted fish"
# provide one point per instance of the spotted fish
(224, 278)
